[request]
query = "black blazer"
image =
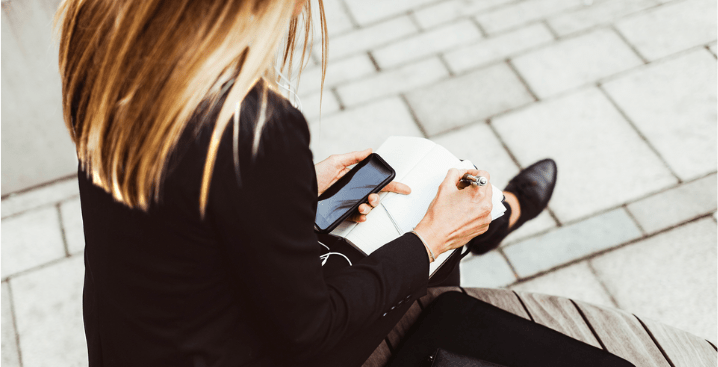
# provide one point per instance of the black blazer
(244, 285)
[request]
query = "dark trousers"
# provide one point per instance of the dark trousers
(355, 350)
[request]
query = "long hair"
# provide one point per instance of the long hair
(134, 72)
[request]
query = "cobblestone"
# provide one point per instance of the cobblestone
(575, 62)
(497, 48)
(597, 14)
(492, 157)
(368, 38)
(31, 239)
(426, 44)
(42, 196)
(71, 214)
(339, 72)
(393, 82)
(523, 12)
(671, 28)
(370, 11)
(660, 287)
(10, 354)
(675, 109)
(487, 271)
(676, 205)
(48, 309)
(468, 98)
(572, 242)
(312, 109)
(447, 11)
(588, 139)
(356, 129)
(576, 282)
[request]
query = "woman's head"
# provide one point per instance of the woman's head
(134, 72)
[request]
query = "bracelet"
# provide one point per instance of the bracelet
(431, 253)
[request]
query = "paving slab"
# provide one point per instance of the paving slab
(542, 223)
(575, 282)
(426, 44)
(10, 353)
(447, 11)
(489, 270)
(677, 205)
(590, 142)
(600, 13)
(671, 28)
(574, 62)
(36, 147)
(31, 239)
(673, 104)
(497, 48)
(468, 98)
(41, 196)
(312, 108)
(393, 82)
(670, 277)
(712, 48)
(338, 72)
(522, 12)
(571, 242)
(71, 215)
(338, 20)
(48, 309)
(478, 144)
(360, 128)
(370, 11)
(365, 39)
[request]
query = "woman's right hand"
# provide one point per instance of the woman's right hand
(456, 215)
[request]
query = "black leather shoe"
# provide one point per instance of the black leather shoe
(533, 188)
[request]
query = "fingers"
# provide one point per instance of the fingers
(373, 200)
(478, 172)
(354, 157)
(364, 209)
(396, 187)
(452, 178)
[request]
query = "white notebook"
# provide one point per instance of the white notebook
(422, 165)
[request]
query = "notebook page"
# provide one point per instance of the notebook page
(424, 180)
(376, 232)
(403, 153)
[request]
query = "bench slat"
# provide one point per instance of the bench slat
(559, 314)
(682, 348)
(623, 335)
(501, 298)
(380, 357)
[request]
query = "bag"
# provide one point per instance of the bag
(466, 326)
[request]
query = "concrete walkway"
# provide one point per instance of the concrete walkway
(621, 93)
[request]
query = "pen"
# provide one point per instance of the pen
(473, 180)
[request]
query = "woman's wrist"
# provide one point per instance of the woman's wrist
(432, 245)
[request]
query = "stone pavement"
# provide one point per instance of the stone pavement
(621, 93)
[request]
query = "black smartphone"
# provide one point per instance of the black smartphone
(344, 196)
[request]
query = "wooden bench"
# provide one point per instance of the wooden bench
(644, 342)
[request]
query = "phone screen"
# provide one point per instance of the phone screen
(350, 190)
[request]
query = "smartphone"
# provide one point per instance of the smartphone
(343, 198)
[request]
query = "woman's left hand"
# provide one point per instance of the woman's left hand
(335, 166)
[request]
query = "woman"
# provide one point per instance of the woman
(198, 214)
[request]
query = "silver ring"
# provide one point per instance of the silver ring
(482, 181)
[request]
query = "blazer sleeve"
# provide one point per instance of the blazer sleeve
(265, 219)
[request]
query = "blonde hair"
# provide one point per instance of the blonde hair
(134, 72)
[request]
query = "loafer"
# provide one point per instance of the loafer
(533, 188)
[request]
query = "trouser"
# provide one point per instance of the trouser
(355, 350)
